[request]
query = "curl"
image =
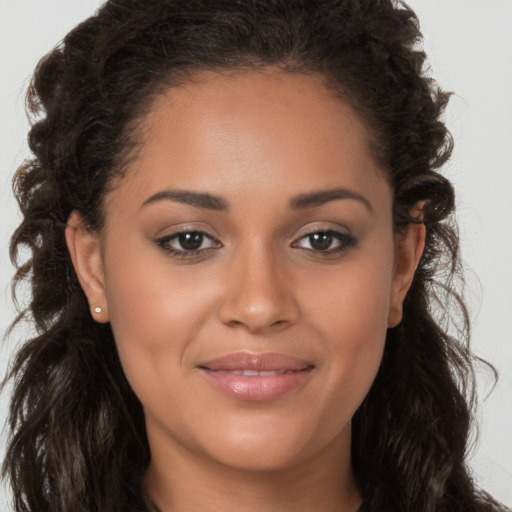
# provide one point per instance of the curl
(77, 434)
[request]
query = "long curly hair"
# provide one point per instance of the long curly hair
(77, 432)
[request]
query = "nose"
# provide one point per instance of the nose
(259, 294)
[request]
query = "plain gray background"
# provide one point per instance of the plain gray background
(469, 43)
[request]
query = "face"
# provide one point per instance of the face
(249, 269)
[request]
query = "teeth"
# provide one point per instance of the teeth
(253, 373)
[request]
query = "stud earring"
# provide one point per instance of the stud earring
(98, 310)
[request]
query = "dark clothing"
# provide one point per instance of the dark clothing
(135, 502)
(137, 505)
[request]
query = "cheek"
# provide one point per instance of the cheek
(351, 311)
(353, 300)
(154, 316)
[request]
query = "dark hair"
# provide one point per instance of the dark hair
(77, 429)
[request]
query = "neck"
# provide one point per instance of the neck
(177, 481)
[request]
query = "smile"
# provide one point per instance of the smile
(252, 373)
(256, 377)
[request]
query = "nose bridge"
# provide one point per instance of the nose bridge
(258, 293)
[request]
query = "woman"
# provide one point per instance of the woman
(237, 227)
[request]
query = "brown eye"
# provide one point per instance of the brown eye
(328, 242)
(321, 241)
(190, 241)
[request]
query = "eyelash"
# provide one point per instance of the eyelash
(345, 241)
(165, 242)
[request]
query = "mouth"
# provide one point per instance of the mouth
(256, 377)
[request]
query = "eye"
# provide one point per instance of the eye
(188, 243)
(325, 242)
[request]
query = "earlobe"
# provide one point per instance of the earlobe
(410, 244)
(85, 251)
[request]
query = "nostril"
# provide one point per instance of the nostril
(253, 327)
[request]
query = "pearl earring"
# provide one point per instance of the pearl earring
(98, 310)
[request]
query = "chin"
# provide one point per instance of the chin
(272, 445)
(258, 460)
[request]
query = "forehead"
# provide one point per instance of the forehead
(255, 130)
(266, 99)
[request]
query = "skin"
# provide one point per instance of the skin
(256, 140)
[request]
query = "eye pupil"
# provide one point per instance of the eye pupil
(191, 241)
(321, 241)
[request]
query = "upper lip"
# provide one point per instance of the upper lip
(256, 362)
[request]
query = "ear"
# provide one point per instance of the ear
(409, 246)
(85, 250)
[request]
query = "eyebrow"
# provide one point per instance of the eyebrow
(212, 202)
(199, 199)
(321, 197)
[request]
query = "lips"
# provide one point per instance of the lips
(256, 377)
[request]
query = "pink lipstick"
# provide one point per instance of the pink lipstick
(256, 377)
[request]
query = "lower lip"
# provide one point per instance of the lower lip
(256, 388)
